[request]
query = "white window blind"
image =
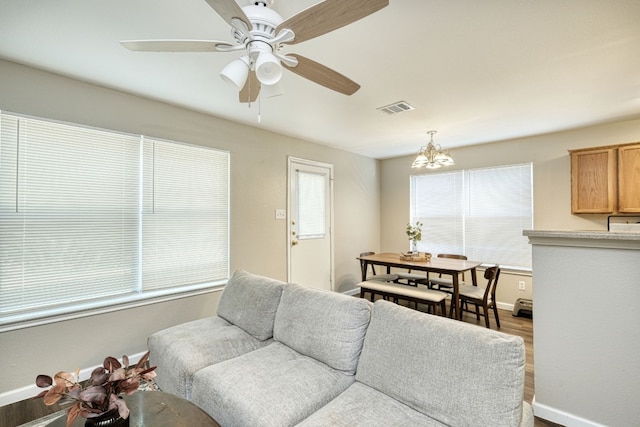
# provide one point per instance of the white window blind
(69, 214)
(500, 207)
(185, 220)
(88, 218)
(437, 202)
(312, 212)
(479, 213)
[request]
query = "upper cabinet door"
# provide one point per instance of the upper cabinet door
(593, 181)
(629, 179)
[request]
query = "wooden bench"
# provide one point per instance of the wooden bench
(430, 297)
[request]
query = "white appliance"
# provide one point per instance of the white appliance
(623, 223)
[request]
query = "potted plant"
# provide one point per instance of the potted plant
(101, 395)
(414, 232)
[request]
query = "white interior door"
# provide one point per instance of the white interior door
(310, 223)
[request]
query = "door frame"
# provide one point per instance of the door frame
(291, 162)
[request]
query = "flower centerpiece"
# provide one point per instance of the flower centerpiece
(414, 232)
(101, 393)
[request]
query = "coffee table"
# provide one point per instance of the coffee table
(154, 408)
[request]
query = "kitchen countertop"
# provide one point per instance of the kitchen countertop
(584, 238)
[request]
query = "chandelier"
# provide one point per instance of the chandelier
(432, 156)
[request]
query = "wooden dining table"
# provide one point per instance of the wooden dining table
(449, 266)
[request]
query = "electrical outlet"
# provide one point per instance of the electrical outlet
(281, 214)
(521, 285)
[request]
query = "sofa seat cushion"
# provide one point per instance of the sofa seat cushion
(454, 372)
(250, 302)
(180, 351)
(272, 386)
(361, 405)
(327, 326)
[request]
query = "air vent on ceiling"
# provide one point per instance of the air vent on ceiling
(396, 107)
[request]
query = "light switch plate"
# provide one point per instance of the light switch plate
(281, 214)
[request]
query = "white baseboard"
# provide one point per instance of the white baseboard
(27, 392)
(505, 306)
(352, 292)
(560, 417)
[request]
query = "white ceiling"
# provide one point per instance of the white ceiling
(475, 70)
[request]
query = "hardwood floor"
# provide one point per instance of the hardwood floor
(25, 411)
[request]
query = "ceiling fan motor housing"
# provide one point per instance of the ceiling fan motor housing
(264, 21)
(260, 41)
(267, 3)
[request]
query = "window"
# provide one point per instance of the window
(91, 218)
(185, 215)
(479, 213)
(311, 212)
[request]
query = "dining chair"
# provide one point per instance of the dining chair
(374, 276)
(482, 297)
(412, 279)
(445, 283)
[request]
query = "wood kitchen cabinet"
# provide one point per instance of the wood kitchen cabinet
(629, 178)
(606, 179)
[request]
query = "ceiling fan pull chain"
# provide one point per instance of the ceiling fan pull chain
(250, 86)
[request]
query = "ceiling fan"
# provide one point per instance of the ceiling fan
(262, 33)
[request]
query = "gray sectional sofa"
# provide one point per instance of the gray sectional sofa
(280, 354)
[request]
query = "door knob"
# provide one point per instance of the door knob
(294, 242)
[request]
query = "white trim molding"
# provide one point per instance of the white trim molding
(586, 239)
(560, 417)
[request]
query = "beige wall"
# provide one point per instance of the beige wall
(258, 187)
(552, 186)
(371, 207)
(587, 369)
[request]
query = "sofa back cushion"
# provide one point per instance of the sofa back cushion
(326, 326)
(250, 302)
(456, 373)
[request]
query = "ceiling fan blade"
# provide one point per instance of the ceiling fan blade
(231, 12)
(327, 16)
(322, 75)
(178, 45)
(251, 89)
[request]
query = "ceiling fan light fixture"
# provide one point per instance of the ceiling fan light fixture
(268, 68)
(236, 72)
(270, 91)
